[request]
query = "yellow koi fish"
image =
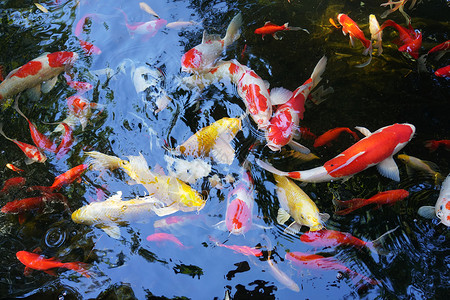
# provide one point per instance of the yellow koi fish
(214, 140)
(173, 192)
(112, 212)
(295, 203)
(416, 164)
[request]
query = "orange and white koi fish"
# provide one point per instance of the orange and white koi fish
(375, 34)
(80, 86)
(411, 39)
(442, 207)
(202, 57)
(273, 29)
(386, 197)
(332, 134)
(162, 236)
(376, 148)
(34, 261)
(287, 117)
(64, 179)
(315, 261)
(12, 183)
(351, 28)
(147, 29)
(443, 72)
(39, 139)
(14, 168)
(32, 152)
(246, 250)
(42, 70)
(443, 48)
(433, 145)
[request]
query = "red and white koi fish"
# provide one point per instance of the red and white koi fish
(89, 48)
(66, 142)
(288, 115)
(442, 207)
(39, 139)
(80, 86)
(273, 29)
(80, 110)
(203, 56)
(433, 145)
(349, 26)
(333, 238)
(147, 29)
(443, 72)
(411, 39)
(14, 168)
(444, 47)
(32, 152)
(42, 70)
(34, 261)
(246, 250)
(315, 261)
(386, 197)
(332, 134)
(64, 179)
(162, 236)
(11, 183)
(376, 148)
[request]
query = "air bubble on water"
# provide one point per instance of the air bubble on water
(55, 237)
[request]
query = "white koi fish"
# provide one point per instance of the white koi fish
(442, 207)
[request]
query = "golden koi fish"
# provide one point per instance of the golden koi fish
(416, 164)
(171, 191)
(112, 212)
(213, 140)
(296, 203)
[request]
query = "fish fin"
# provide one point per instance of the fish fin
(233, 30)
(266, 84)
(282, 216)
(388, 168)
(27, 271)
(352, 41)
(210, 37)
(34, 93)
(275, 36)
(22, 218)
(293, 229)
(261, 226)
(112, 230)
(366, 63)
(316, 75)
(318, 95)
(158, 169)
(270, 168)
(377, 244)
(164, 211)
(366, 132)
(49, 84)
(116, 197)
(324, 217)
(299, 147)
(280, 95)
(220, 226)
(50, 272)
(428, 212)
(222, 151)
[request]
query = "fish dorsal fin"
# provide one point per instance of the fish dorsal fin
(49, 84)
(428, 212)
(282, 216)
(299, 147)
(115, 198)
(366, 132)
(220, 226)
(34, 93)
(222, 151)
(280, 95)
(12, 73)
(266, 84)
(164, 211)
(268, 23)
(388, 168)
(324, 217)
(112, 230)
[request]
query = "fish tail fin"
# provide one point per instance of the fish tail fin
(377, 244)
(351, 205)
(270, 168)
(367, 51)
(16, 107)
(355, 136)
(431, 145)
(318, 71)
(44, 189)
(2, 133)
(233, 30)
(102, 161)
(295, 28)
(79, 267)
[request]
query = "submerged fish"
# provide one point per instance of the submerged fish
(162, 236)
(411, 39)
(246, 250)
(416, 164)
(442, 206)
(332, 134)
(273, 29)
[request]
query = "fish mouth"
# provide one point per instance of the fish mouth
(274, 147)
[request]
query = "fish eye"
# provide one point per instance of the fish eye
(440, 214)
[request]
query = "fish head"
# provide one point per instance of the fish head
(191, 198)
(192, 60)
(10, 207)
(403, 157)
(24, 256)
(61, 58)
(443, 210)
(280, 130)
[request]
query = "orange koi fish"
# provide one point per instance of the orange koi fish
(34, 261)
(63, 179)
(273, 29)
(443, 72)
(161, 236)
(386, 197)
(246, 250)
(32, 152)
(376, 148)
(411, 39)
(350, 27)
(332, 134)
(14, 168)
(433, 145)
(11, 183)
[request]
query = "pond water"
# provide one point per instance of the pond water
(393, 88)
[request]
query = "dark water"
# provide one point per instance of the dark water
(390, 90)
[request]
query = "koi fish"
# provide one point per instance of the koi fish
(42, 70)
(444, 47)
(187, 171)
(386, 197)
(80, 110)
(332, 134)
(63, 179)
(443, 72)
(112, 212)
(80, 86)
(203, 56)
(180, 24)
(175, 222)
(376, 148)
(176, 194)
(34, 261)
(273, 29)
(14, 168)
(315, 261)
(147, 29)
(162, 236)
(213, 140)
(288, 115)
(411, 39)
(333, 238)
(433, 145)
(375, 34)
(39, 139)
(32, 152)
(11, 183)
(296, 203)
(350, 27)
(246, 250)
(89, 48)
(427, 167)
(66, 142)
(145, 7)
(442, 207)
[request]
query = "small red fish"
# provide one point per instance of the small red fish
(445, 46)
(349, 26)
(89, 48)
(63, 179)
(80, 86)
(66, 142)
(161, 236)
(14, 182)
(443, 72)
(246, 250)
(306, 133)
(332, 134)
(411, 39)
(14, 168)
(273, 29)
(34, 261)
(386, 197)
(433, 145)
